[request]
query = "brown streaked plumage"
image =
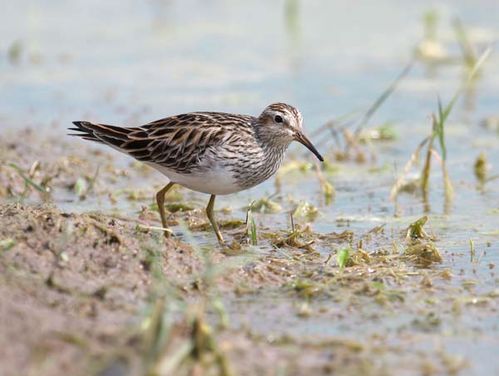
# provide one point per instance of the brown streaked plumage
(210, 152)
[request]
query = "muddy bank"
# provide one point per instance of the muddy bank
(77, 292)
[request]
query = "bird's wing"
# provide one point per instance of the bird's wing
(176, 142)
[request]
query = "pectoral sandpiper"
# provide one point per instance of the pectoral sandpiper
(211, 152)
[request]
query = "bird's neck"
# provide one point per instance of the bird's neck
(273, 147)
(274, 155)
(270, 142)
(267, 164)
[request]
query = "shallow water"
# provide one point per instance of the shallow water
(131, 62)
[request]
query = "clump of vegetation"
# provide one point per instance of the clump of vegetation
(420, 247)
(298, 237)
(306, 210)
(416, 231)
(175, 207)
(480, 168)
(423, 253)
(358, 257)
(199, 224)
(6, 244)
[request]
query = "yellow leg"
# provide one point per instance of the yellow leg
(211, 217)
(160, 200)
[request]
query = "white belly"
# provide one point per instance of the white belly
(215, 181)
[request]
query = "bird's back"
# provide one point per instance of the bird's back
(177, 142)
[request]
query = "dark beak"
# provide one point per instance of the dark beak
(302, 139)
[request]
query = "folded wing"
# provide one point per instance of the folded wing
(177, 142)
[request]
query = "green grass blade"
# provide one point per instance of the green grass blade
(439, 125)
(251, 225)
(27, 180)
(443, 113)
(342, 257)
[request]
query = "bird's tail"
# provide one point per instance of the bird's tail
(106, 134)
(131, 141)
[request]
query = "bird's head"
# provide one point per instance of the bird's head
(280, 124)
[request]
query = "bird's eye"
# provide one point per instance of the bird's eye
(278, 119)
